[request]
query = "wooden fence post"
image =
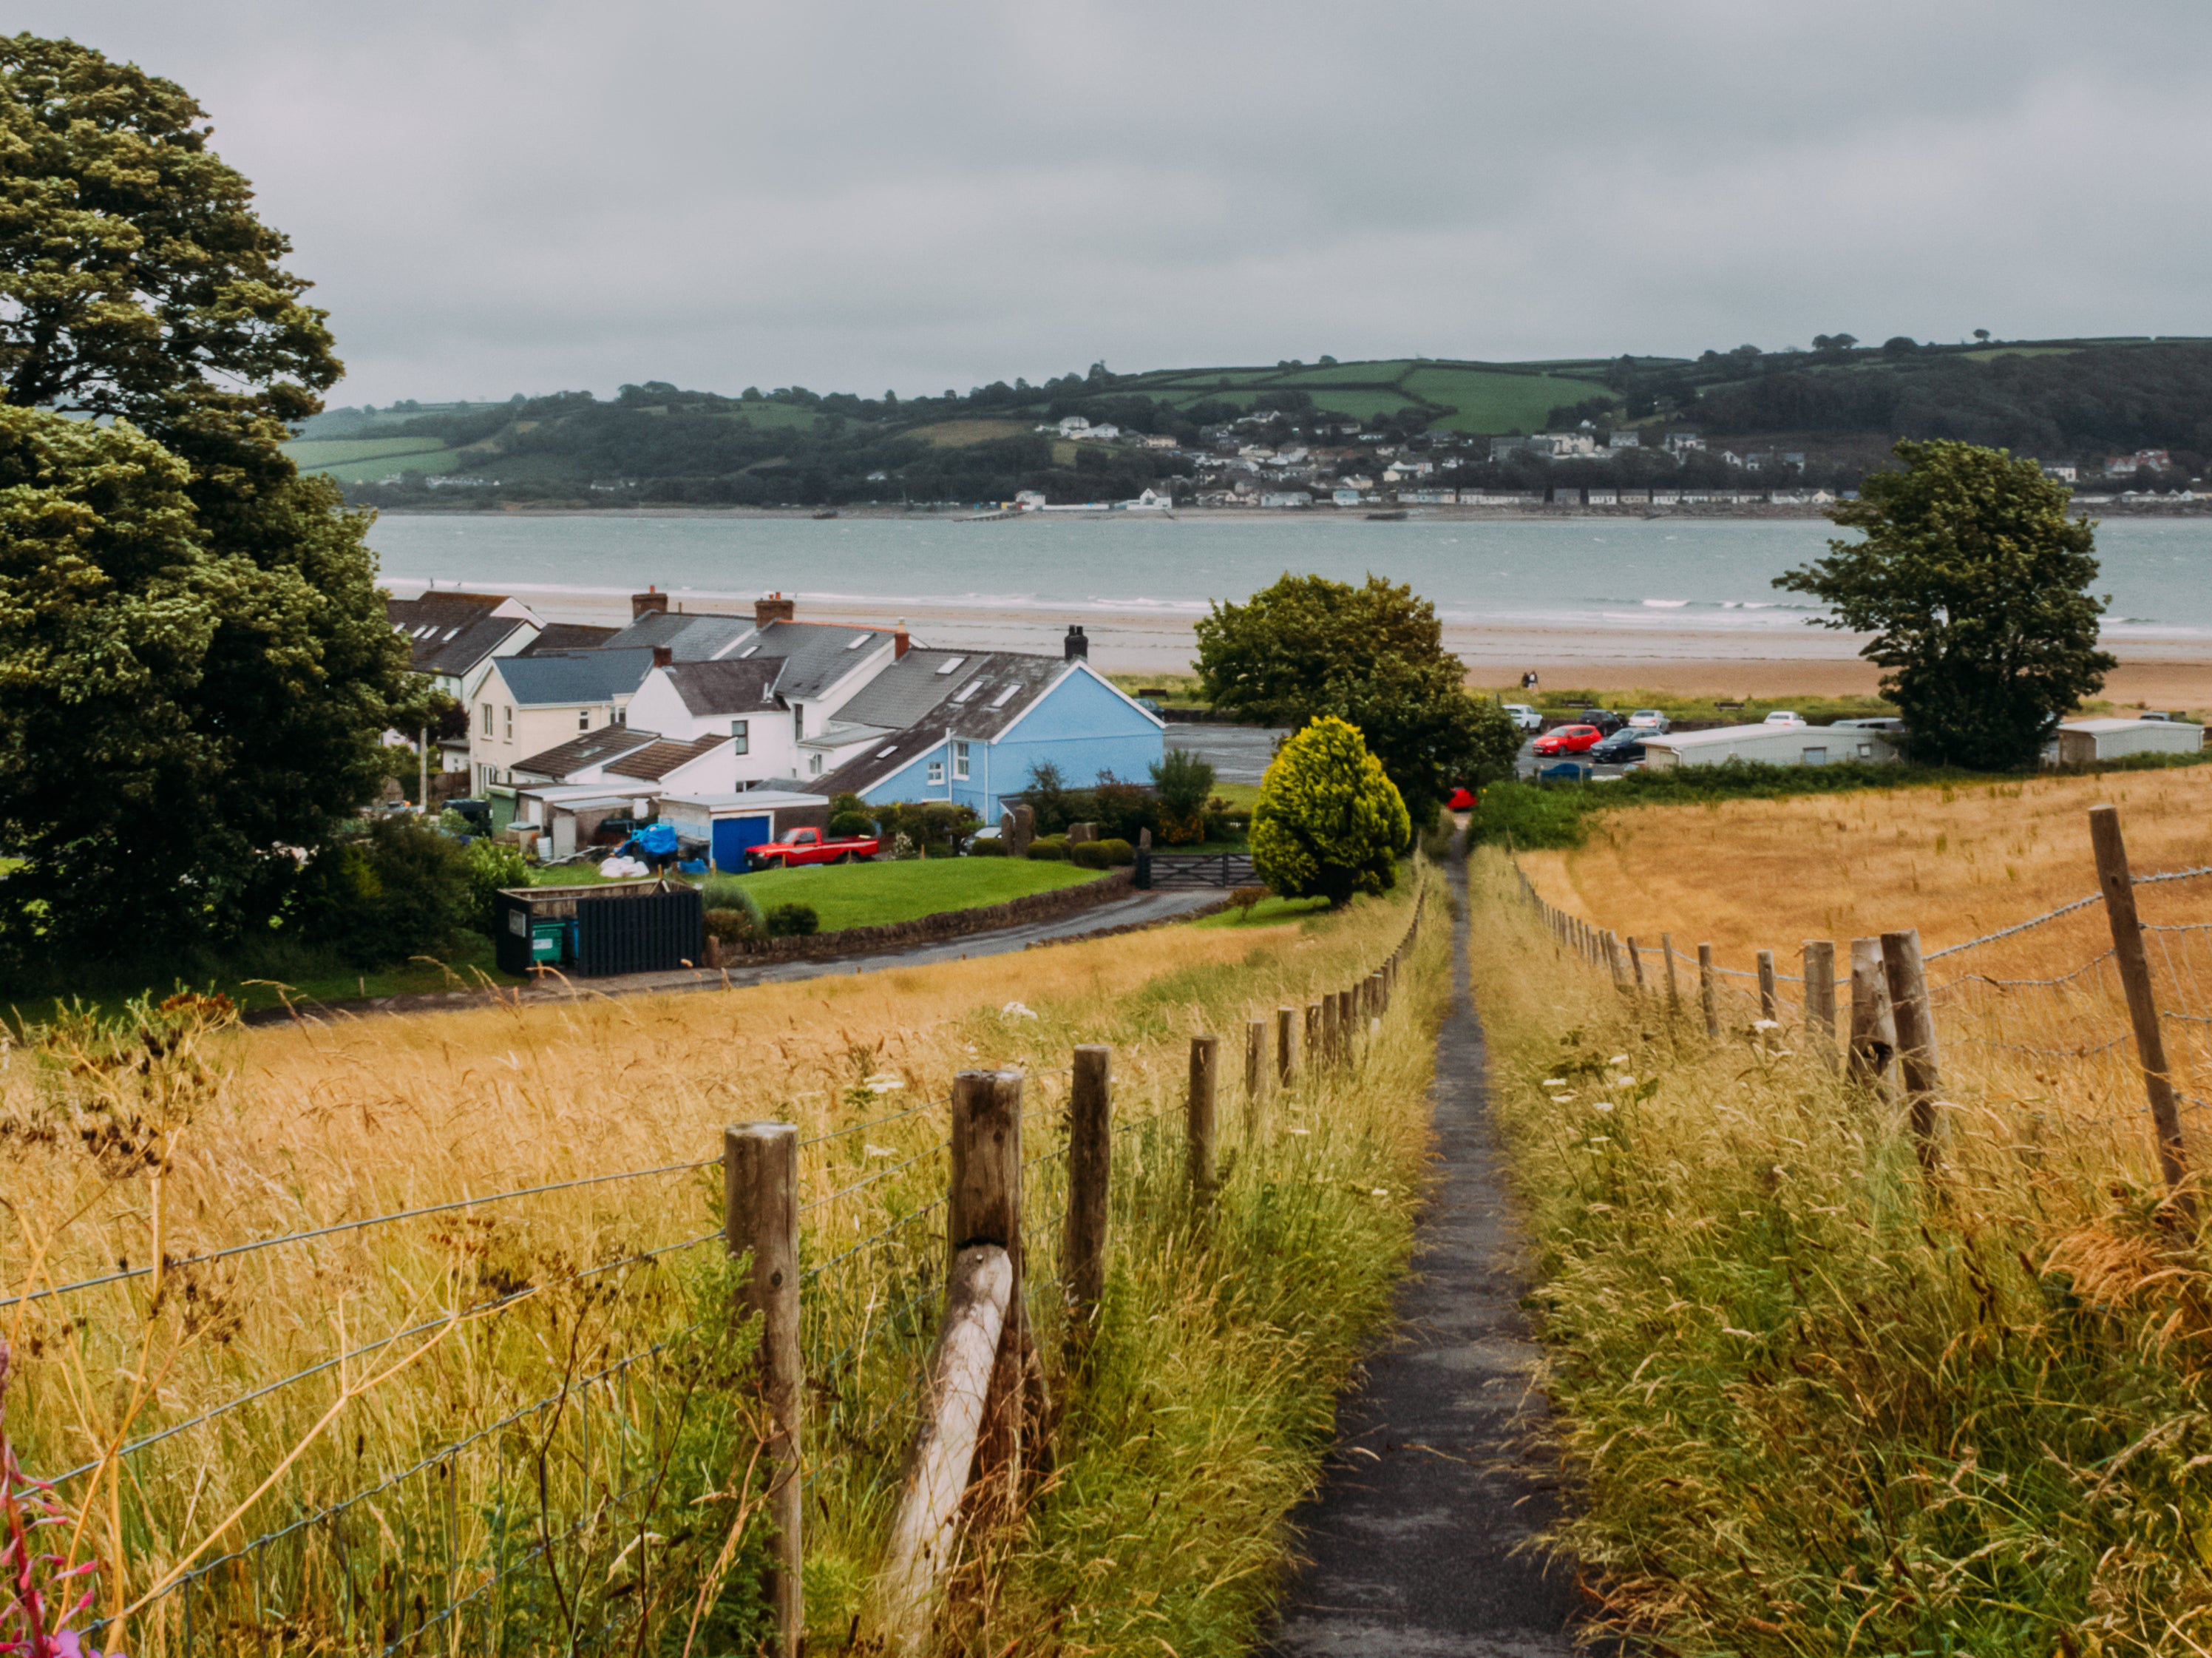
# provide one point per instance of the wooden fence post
(984, 1206)
(1819, 970)
(1089, 1184)
(2134, 963)
(1315, 1049)
(1769, 1005)
(1286, 1045)
(1612, 957)
(1635, 962)
(760, 1214)
(1674, 991)
(1917, 1063)
(1205, 1068)
(1255, 1060)
(1708, 993)
(1377, 1002)
(1874, 1028)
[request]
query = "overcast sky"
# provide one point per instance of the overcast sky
(495, 197)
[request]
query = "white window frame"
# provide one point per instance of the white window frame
(741, 736)
(960, 761)
(583, 719)
(937, 774)
(487, 720)
(814, 766)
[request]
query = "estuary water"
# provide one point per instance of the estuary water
(1627, 579)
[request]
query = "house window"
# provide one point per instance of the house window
(583, 719)
(509, 711)
(814, 766)
(741, 739)
(797, 722)
(960, 761)
(936, 773)
(621, 716)
(487, 723)
(1816, 757)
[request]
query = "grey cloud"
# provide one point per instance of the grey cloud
(499, 196)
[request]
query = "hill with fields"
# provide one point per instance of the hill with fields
(1821, 417)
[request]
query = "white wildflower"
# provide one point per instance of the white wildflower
(885, 1083)
(1601, 1104)
(880, 1151)
(1016, 1010)
(1766, 1024)
(1618, 1059)
(1555, 1081)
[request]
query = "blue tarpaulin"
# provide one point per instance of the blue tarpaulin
(656, 839)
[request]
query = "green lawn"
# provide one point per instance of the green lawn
(1269, 911)
(876, 894)
(310, 453)
(1489, 401)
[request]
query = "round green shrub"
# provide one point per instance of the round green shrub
(1118, 853)
(851, 825)
(1049, 849)
(1089, 855)
(1330, 823)
(992, 848)
(731, 926)
(793, 921)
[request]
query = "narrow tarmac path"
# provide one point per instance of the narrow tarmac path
(1410, 1540)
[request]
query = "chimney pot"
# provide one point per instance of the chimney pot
(663, 656)
(773, 608)
(1077, 647)
(650, 602)
(902, 641)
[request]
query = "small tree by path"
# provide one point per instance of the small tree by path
(1329, 822)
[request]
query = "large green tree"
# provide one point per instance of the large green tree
(1373, 655)
(137, 285)
(1329, 822)
(1974, 580)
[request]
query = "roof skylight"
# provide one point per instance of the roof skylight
(859, 639)
(969, 690)
(1005, 696)
(950, 664)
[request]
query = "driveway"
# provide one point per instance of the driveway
(1237, 754)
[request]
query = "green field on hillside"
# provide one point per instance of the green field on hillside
(1491, 401)
(876, 895)
(775, 417)
(1486, 398)
(364, 460)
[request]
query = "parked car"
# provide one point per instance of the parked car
(1566, 772)
(1650, 719)
(1524, 718)
(1569, 740)
(803, 846)
(1604, 719)
(1784, 716)
(1623, 748)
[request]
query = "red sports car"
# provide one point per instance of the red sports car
(1569, 740)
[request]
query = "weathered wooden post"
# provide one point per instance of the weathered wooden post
(2134, 962)
(984, 1206)
(1286, 1046)
(1918, 1063)
(1708, 993)
(1820, 968)
(1205, 1067)
(1612, 956)
(1255, 1061)
(1316, 1046)
(1090, 1185)
(1769, 1005)
(760, 1216)
(1635, 962)
(1873, 1026)
(1376, 1001)
(1674, 990)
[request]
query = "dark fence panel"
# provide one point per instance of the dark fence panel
(641, 933)
(510, 935)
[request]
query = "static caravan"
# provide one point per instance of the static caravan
(1768, 745)
(2079, 742)
(731, 823)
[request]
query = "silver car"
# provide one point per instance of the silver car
(1524, 718)
(1650, 719)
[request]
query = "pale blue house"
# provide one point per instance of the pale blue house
(967, 728)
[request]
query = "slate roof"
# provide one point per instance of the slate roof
(689, 638)
(583, 676)
(590, 749)
(450, 633)
(816, 655)
(989, 691)
(910, 687)
(656, 760)
(726, 687)
(567, 636)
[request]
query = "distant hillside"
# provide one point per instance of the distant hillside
(1839, 407)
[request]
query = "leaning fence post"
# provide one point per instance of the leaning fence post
(2118, 884)
(1635, 962)
(1612, 956)
(984, 1206)
(1674, 991)
(760, 1216)
(1090, 1180)
(1708, 995)
(1917, 1059)
(1205, 1068)
(1286, 1045)
(1873, 1026)
(1819, 967)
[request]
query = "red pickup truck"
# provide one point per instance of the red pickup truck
(807, 846)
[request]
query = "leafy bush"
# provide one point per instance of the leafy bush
(1118, 853)
(793, 921)
(851, 825)
(726, 897)
(1047, 795)
(1183, 783)
(1123, 810)
(1531, 815)
(992, 848)
(1050, 848)
(1330, 823)
(731, 926)
(927, 824)
(848, 802)
(396, 891)
(492, 866)
(1090, 854)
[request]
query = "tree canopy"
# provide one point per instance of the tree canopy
(1373, 655)
(181, 614)
(1974, 580)
(1329, 823)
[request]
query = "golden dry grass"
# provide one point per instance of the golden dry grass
(1748, 875)
(485, 1309)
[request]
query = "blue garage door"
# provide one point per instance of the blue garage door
(733, 835)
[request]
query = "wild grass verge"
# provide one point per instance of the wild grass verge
(1815, 1401)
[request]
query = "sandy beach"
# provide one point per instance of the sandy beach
(1672, 659)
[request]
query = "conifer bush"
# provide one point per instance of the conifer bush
(1330, 823)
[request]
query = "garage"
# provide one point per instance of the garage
(730, 823)
(731, 835)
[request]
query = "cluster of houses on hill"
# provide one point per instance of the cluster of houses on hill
(737, 724)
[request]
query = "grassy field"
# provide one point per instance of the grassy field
(958, 434)
(530, 1404)
(1487, 398)
(1956, 862)
(876, 895)
(776, 416)
(1815, 1398)
(1489, 401)
(366, 460)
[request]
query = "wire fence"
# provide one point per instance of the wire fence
(2035, 1013)
(575, 1458)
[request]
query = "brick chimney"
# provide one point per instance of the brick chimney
(773, 608)
(663, 655)
(1077, 647)
(650, 602)
(902, 641)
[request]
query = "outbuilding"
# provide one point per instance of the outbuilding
(1768, 745)
(2081, 742)
(729, 823)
